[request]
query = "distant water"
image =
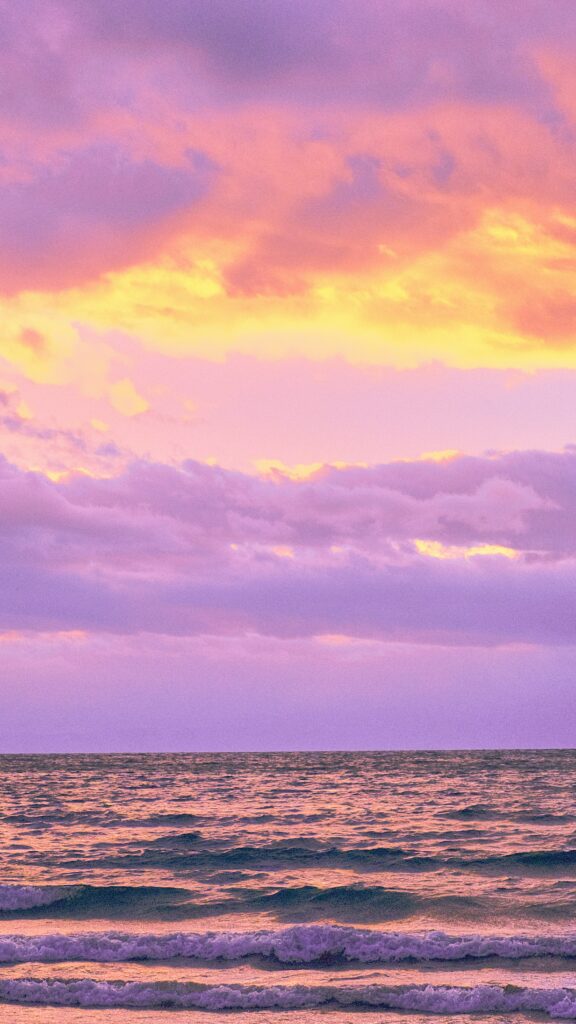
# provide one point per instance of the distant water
(288, 887)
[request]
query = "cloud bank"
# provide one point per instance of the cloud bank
(470, 550)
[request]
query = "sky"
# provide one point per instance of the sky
(287, 374)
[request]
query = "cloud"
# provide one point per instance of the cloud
(286, 141)
(327, 51)
(311, 51)
(241, 408)
(47, 445)
(126, 399)
(548, 316)
(200, 550)
(94, 210)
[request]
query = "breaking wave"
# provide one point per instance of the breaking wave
(555, 1002)
(303, 944)
(85, 900)
(28, 897)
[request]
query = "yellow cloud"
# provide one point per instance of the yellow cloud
(35, 340)
(99, 425)
(452, 304)
(126, 399)
(434, 549)
(444, 455)
(282, 551)
(467, 302)
(24, 411)
(301, 471)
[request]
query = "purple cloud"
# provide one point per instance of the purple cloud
(200, 550)
(320, 51)
(95, 210)
(327, 51)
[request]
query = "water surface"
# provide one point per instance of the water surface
(288, 887)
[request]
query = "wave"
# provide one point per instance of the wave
(358, 903)
(483, 812)
(302, 944)
(355, 903)
(28, 897)
(176, 851)
(473, 812)
(541, 818)
(347, 904)
(187, 851)
(163, 820)
(344, 902)
(444, 999)
(86, 900)
(542, 860)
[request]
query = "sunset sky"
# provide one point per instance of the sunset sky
(287, 374)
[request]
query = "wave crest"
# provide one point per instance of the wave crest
(301, 944)
(556, 1002)
(88, 900)
(27, 897)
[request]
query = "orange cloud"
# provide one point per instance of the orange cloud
(390, 211)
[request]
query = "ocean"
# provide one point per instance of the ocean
(288, 887)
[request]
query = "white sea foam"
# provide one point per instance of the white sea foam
(555, 1002)
(300, 944)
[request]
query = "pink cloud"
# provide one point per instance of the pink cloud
(237, 412)
(409, 105)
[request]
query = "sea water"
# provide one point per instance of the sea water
(288, 887)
